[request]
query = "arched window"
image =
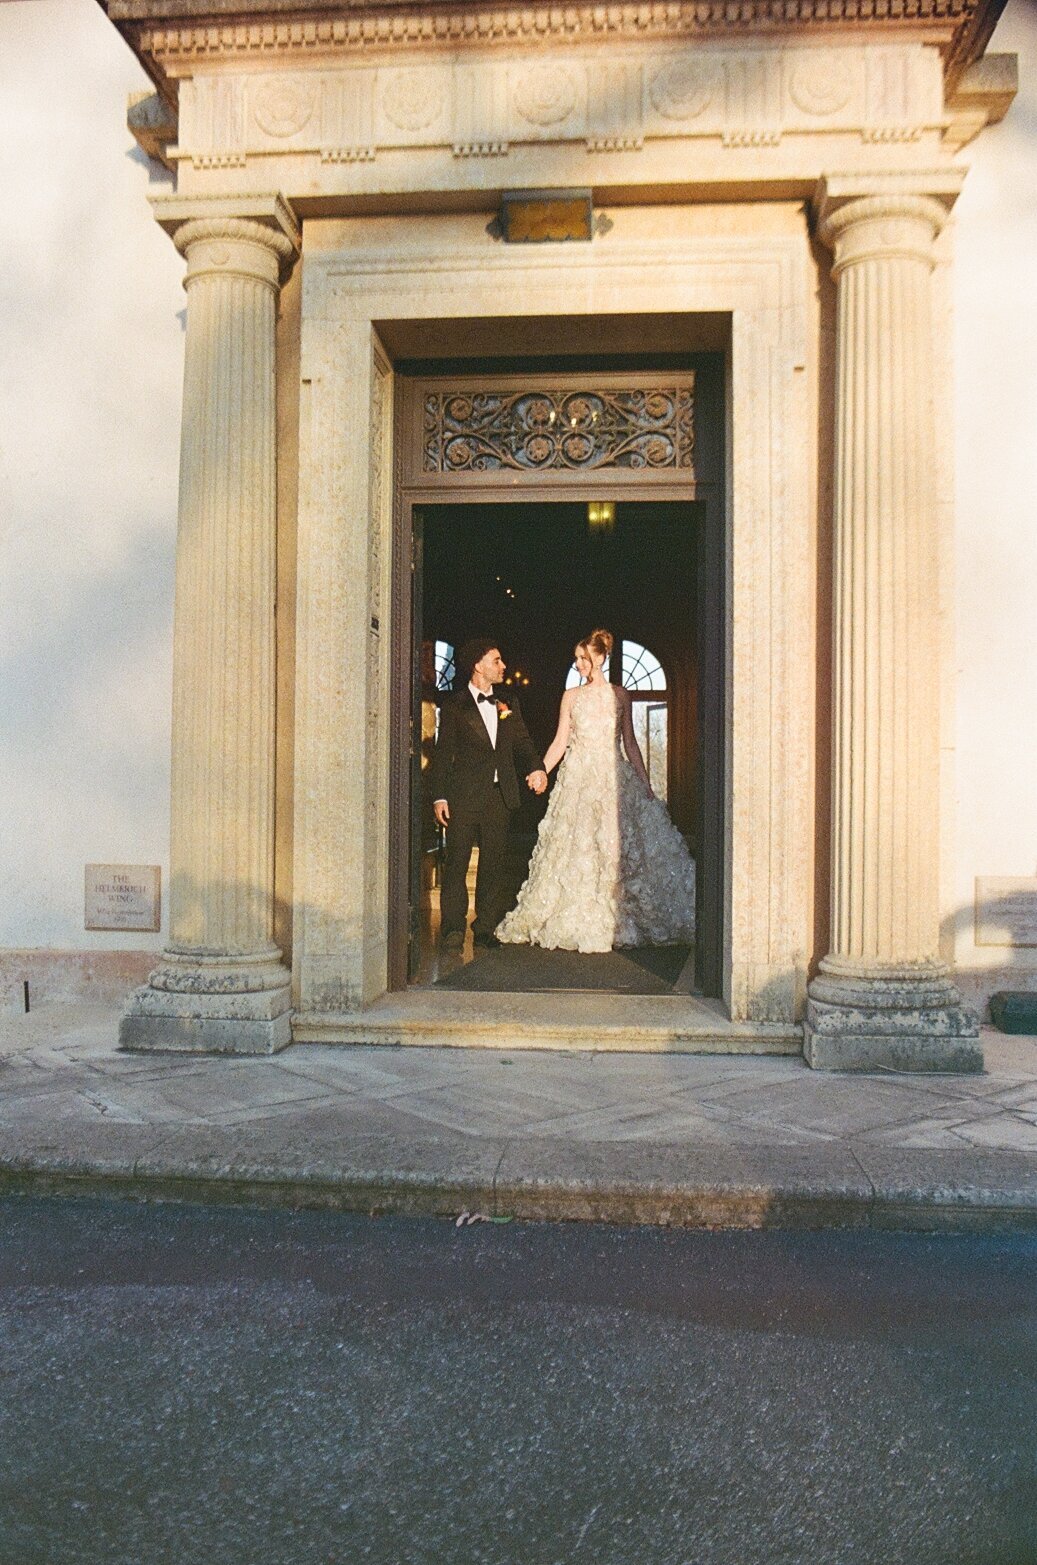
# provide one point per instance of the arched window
(642, 670)
(645, 678)
(445, 665)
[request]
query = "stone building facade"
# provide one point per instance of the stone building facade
(770, 183)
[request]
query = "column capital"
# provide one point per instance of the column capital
(266, 222)
(865, 216)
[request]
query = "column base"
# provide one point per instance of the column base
(166, 1021)
(900, 1020)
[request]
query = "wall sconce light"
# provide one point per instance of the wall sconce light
(601, 516)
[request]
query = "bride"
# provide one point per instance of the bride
(609, 868)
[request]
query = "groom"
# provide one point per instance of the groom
(482, 750)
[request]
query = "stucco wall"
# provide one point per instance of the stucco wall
(91, 353)
(90, 366)
(995, 822)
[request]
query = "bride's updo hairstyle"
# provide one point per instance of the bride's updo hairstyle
(599, 641)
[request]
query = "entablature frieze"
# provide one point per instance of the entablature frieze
(619, 102)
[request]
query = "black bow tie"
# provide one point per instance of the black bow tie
(491, 699)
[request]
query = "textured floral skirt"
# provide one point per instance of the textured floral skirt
(609, 868)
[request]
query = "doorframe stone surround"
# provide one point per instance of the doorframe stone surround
(674, 112)
(360, 272)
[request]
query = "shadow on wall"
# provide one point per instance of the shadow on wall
(339, 952)
(1009, 966)
(65, 977)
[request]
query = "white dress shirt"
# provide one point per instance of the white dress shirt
(487, 710)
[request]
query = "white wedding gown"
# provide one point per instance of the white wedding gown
(610, 868)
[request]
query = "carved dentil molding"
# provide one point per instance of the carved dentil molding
(451, 26)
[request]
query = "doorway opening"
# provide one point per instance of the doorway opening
(539, 576)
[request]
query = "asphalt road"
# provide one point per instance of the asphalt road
(194, 1385)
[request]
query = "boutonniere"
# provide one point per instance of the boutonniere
(503, 710)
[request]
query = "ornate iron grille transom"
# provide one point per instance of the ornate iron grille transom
(574, 430)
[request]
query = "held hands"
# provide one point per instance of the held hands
(441, 809)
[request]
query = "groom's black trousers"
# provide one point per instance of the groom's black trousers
(484, 821)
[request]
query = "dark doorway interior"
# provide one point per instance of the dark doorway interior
(539, 576)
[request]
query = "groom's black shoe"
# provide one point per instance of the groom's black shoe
(488, 941)
(453, 940)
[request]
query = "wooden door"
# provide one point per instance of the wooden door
(416, 844)
(711, 622)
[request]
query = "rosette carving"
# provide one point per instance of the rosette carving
(546, 95)
(284, 105)
(821, 83)
(412, 100)
(684, 89)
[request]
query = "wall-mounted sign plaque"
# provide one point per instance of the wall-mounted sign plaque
(123, 896)
(531, 217)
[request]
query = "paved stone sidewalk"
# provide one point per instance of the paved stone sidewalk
(660, 1138)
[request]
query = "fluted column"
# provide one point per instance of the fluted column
(221, 983)
(882, 997)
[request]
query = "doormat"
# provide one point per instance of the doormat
(531, 970)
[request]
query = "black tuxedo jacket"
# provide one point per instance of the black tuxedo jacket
(465, 761)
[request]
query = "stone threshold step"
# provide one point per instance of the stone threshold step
(575, 1020)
